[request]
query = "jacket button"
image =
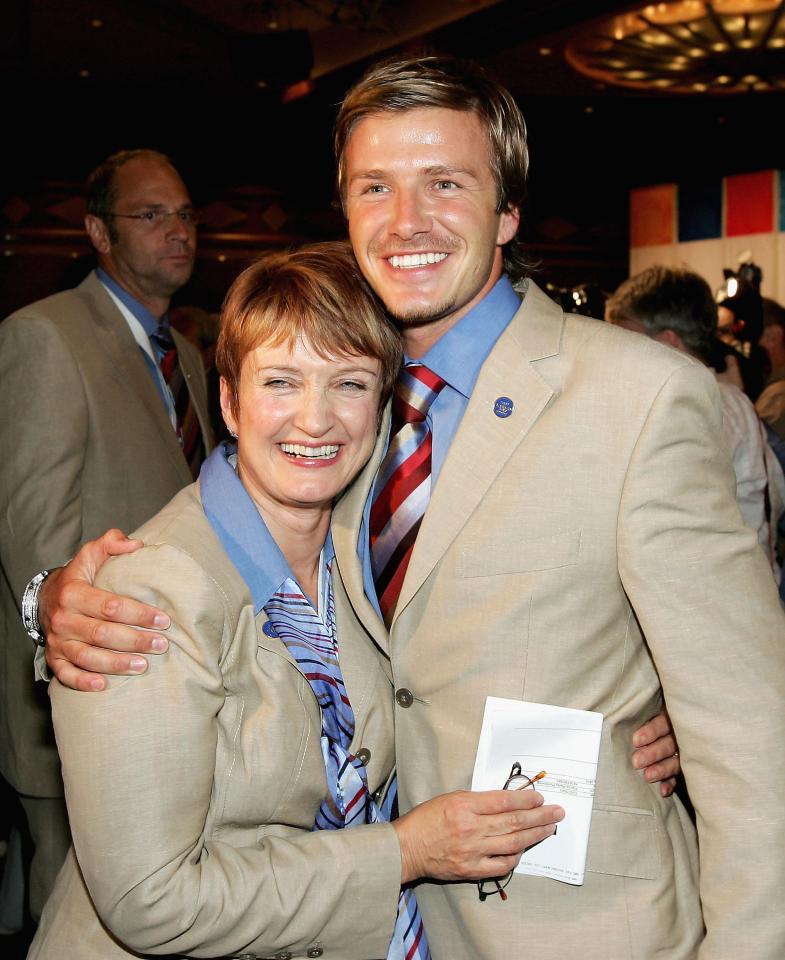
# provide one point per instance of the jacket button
(404, 697)
(314, 952)
(364, 756)
(283, 955)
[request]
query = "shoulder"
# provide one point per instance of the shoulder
(59, 317)
(545, 332)
(612, 345)
(736, 399)
(181, 561)
(739, 416)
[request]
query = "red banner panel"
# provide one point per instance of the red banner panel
(749, 203)
(652, 215)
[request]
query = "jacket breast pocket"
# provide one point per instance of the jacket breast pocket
(624, 842)
(493, 556)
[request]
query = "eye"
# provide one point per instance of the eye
(377, 188)
(187, 216)
(149, 216)
(446, 185)
(353, 386)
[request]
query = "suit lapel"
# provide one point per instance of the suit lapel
(345, 528)
(484, 442)
(126, 366)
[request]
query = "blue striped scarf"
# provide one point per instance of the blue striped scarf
(311, 640)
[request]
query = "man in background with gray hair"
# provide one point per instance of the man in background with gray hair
(676, 307)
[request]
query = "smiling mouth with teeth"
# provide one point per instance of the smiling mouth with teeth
(409, 260)
(327, 451)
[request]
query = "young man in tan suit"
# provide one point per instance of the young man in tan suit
(89, 442)
(581, 547)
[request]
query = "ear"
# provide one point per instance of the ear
(672, 339)
(508, 225)
(98, 233)
(226, 406)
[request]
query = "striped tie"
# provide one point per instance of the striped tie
(403, 487)
(310, 639)
(189, 432)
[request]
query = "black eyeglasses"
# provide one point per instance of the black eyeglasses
(517, 780)
(152, 219)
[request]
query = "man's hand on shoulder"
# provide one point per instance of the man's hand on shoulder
(90, 632)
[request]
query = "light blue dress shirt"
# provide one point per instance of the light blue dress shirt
(243, 533)
(457, 358)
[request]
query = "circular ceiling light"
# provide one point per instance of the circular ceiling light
(687, 46)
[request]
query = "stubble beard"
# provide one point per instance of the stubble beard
(421, 316)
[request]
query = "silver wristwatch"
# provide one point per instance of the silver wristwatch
(30, 608)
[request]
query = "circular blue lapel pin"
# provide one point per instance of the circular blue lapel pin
(269, 629)
(503, 407)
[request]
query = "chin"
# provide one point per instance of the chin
(419, 314)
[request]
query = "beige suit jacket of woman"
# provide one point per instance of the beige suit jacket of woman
(192, 790)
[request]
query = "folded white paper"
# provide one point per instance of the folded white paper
(565, 744)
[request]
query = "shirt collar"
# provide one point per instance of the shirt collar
(239, 526)
(458, 355)
(139, 310)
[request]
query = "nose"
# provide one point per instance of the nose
(314, 413)
(410, 215)
(177, 228)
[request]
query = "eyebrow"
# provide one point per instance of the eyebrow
(438, 170)
(349, 366)
(147, 205)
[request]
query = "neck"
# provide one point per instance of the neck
(300, 533)
(418, 339)
(157, 305)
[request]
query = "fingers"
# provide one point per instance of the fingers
(448, 838)
(115, 542)
(658, 726)
(77, 598)
(667, 787)
(535, 826)
(510, 827)
(661, 751)
(80, 665)
(657, 753)
(90, 631)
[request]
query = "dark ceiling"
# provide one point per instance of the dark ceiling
(201, 80)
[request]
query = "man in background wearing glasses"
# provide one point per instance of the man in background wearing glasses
(104, 418)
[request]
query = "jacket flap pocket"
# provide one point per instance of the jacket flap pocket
(519, 555)
(623, 842)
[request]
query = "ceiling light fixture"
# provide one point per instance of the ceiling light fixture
(687, 46)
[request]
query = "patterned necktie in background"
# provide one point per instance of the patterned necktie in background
(403, 487)
(188, 430)
(310, 639)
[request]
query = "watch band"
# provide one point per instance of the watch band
(30, 608)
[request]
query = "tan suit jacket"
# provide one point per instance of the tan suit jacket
(599, 513)
(193, 789)
(87, 445)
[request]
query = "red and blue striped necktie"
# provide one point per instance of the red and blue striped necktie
(189, 433)
(310, 638)
(403, 487)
